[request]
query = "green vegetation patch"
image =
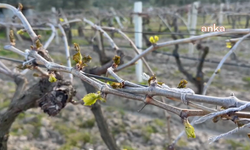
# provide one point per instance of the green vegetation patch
(88, 123)
(7, 53)
(246, 79)
(159, 122)
(147, 131)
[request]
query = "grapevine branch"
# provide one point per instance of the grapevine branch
(237, 129)
(136, 92)
(66, 46)
(151, 91)
(46, 45)
(225, 102)
(132, 44)
(181, 41)
(111, 41)
(217, 70)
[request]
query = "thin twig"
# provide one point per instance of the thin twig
(237, 129)
(112, 43)
(181, 41)
(24, 21)
(66, 46)
(51, 37)
(217, 70)
(218, 113)
(133, 45)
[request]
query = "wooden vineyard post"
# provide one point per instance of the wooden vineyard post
(192, 28)
(138, 37)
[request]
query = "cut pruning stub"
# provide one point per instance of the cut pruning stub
(54, 101)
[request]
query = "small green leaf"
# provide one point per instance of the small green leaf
(36, 75)
(86, 59)
(151, 78)
(182, 84)
(116, 85)
(21, 67)
(61, 19)
(116, 59)
(91, 98)
(160, 83)
(154, 39)
(218, 71)
(38, 44)
(81, 61)
(189, 129)
(102, 99)
(229, 45)
(20, 31)
(78, 56)
(52, 78)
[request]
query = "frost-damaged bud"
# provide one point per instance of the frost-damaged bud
(53, 102)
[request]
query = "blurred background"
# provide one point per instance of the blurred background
(81, 4)
(75, 128)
